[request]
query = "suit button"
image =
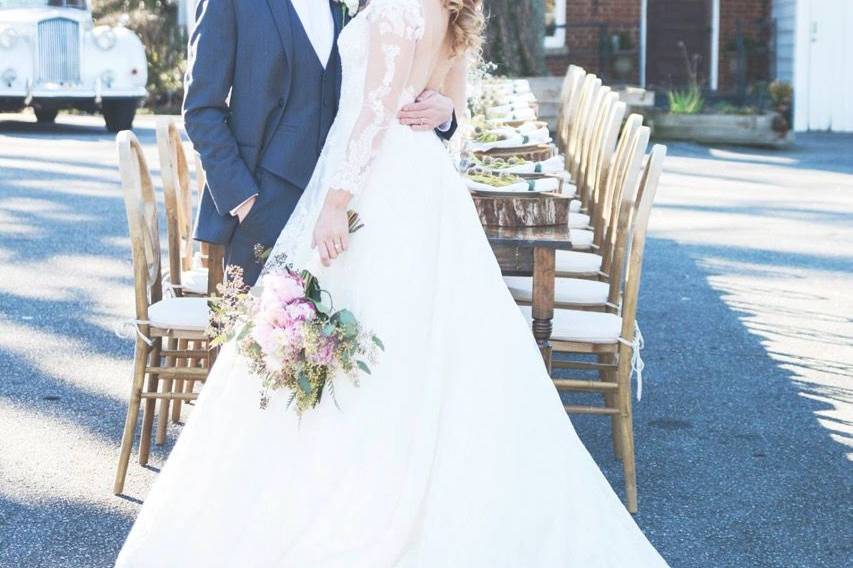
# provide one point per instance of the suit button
(281, 102)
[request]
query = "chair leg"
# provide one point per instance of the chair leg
(166, 383)
(148, 409)
(183, 344)
(611, 400)
(140, 358)
(629, 463)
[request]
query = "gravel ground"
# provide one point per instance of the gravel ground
(744, 432)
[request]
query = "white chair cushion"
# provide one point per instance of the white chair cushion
(194, 281)
(588, 327)
(577, 262)
(186, 314)
(566, 290)
(581, 238)
(578, 220)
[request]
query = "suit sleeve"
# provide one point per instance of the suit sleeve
(451, 130)
(213, 47)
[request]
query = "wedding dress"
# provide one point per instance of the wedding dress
(456, 452)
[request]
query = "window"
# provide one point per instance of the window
(555, 24)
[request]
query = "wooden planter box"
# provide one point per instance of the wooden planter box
(746, 130)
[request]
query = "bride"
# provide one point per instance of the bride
(456, 452)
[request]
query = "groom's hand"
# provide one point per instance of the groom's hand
(429, 111)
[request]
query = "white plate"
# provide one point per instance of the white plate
(544, 185)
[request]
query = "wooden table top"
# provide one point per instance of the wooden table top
(553, 237)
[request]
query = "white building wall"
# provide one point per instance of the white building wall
(784, 13)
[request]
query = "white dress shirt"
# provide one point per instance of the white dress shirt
(316, 18)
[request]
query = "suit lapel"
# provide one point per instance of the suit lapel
(281, 17)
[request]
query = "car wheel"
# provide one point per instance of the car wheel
(46, 115)
(119, 115)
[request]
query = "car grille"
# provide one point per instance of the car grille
(59, 51)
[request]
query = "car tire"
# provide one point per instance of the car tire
(46, 115)
(119, 115)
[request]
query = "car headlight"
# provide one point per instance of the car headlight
(8, 38)
(105, 39)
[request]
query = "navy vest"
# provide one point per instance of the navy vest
(312, 104)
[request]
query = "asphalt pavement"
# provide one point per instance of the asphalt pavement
(744, 433)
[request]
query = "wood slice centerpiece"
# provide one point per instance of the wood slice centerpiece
(538, 153)
(537, 210)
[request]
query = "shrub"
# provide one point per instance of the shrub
(689, 101)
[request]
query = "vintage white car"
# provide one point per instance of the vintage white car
(53, 57)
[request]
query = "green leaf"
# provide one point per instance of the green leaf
(244, 331)
(378, 342)
(304, 384)
(363, 366)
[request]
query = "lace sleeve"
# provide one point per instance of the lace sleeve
(394, 28)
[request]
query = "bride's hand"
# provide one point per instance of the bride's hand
(331, 233)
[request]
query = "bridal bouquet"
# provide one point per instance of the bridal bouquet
(291, 334)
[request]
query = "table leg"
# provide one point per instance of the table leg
(543, 300)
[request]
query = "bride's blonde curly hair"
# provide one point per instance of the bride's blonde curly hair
(466, 25)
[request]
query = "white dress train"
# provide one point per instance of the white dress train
(456, 452)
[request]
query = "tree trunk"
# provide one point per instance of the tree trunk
(516, 36)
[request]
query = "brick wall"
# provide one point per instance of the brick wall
(586, 17)
(749, 12)
(586, 21)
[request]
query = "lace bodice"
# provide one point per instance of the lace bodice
(377, 52)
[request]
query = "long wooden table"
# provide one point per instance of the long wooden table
(531, 251)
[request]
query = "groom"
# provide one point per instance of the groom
(262, 92)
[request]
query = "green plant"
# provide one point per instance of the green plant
(689, 101)
(729, 108)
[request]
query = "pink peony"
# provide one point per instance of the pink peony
(283, 288)
(325, 352)
(301, 311)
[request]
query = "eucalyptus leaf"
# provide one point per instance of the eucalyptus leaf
(304, 384)
(363, 366)
(378, 342)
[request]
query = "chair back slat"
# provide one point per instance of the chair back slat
(600, 108)
(637, 243)
(593, 158)
(605, 149)
(623, 220)
(589, 87)
(141, 207)
(607, 199)
(568, 103)
(177, 196)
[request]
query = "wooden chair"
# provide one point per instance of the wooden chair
(594, 294)
(160, 322)
(613, 336)
(588, 260)
(183, 277)
(568, 104)
(581, 119)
